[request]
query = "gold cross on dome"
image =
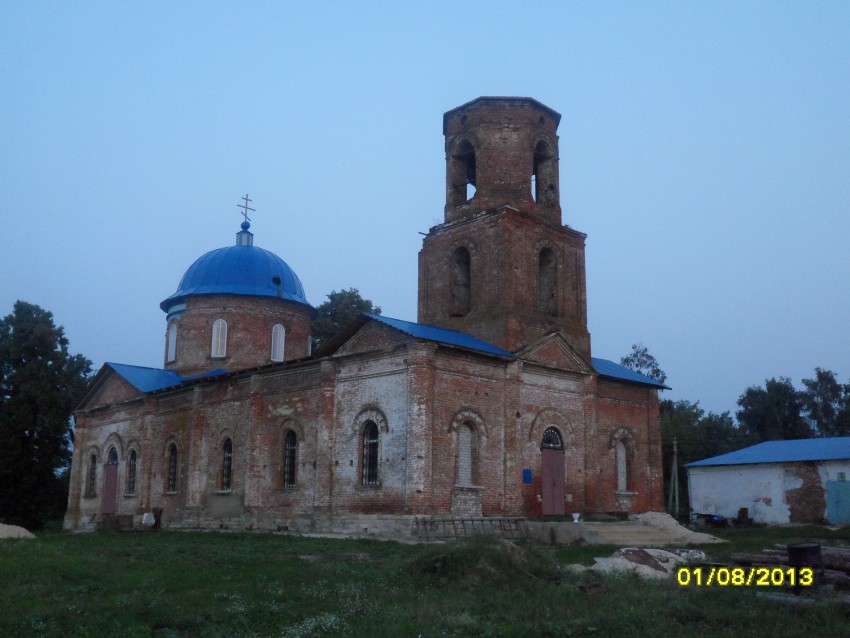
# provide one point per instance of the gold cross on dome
(246, 208)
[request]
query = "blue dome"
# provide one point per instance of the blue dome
(239, 270)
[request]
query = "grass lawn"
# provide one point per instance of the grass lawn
(166, 584)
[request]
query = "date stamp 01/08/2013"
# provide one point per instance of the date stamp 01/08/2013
(745, 576)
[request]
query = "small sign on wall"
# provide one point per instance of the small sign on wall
(526, 476)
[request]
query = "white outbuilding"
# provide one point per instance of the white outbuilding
(776, 482)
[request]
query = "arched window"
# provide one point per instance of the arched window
(543, 177)
(467, 455)
(226, 464)
(219, 338)
(278, 341)
(171, 485)
(132, 462)
(552, 439)
(92, 482)
(112, 457)
(622, 467)
(370, 454)
(171, 354)
(462, 174)
(547, 274)
(290, 447)
(461, 282)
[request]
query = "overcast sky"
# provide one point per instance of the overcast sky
(704, 149)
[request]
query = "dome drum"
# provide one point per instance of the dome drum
(236, 307)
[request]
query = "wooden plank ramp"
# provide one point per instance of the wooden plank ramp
(428, 528)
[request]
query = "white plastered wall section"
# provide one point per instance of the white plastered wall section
(761, 488)
(723, 490)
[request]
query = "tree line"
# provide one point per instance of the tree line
(774, 411)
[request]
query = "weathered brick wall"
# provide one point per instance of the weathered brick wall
(124, 429)
(806, 503)
(552, 399)
(503, 133)
(419, 394)
(370, 388)
(468, 389)
(115, 390)
(504, 248)
(628, 412)
(373, 336)
(249, 332)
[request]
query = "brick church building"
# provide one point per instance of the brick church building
(491, 404)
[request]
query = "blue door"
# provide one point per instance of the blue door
(838, 502)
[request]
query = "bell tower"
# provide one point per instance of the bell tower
(502, 267)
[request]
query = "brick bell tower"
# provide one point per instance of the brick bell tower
(502, 267)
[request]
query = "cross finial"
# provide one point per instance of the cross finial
(245, 207)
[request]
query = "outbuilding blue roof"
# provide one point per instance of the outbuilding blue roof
(790, 451)
(243, 269)
(613, 370)
(440, 335)
(151, 379)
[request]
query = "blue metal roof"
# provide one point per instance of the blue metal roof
(452, 337)
(794, 450)
(440, 335)
(151, 379)
(239, 270)
(613, 370)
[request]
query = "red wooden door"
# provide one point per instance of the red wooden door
(110, 489)
(552, 476)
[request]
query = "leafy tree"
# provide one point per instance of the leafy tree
(826, 404)
(698, 436)
(772, 412)
(40, 382)
(641, 361)
(341, 308)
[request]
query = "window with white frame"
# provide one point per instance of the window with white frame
(278, 342)
(622, 467)
(467, 455)
(219, 338)
(171, 354)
